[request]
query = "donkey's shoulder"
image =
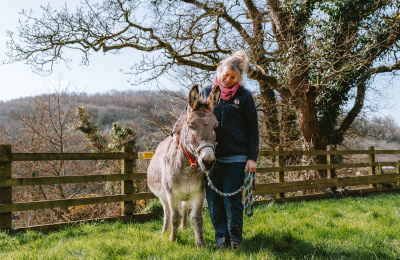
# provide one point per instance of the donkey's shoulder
(165, 145)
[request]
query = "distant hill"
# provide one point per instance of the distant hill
(154, 112)
(143, 109)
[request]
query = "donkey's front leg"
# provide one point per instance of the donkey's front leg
(167, 214)
(175, 206)
(196, 218)
(184, 214)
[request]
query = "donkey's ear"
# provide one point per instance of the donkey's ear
(213, 98)
(194, 97)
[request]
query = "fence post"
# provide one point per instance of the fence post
(5, 192)
(372, 169)
(331, 173)
(127, 185)
(280, 176)
(398, 172)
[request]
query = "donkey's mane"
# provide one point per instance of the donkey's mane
(202, 101)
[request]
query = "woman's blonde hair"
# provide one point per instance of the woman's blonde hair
(236, 62)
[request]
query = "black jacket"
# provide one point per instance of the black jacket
(237, 131)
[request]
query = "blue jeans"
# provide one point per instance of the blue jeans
(226, 212)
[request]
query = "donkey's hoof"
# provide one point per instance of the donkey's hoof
(200, 243)
(172, 238)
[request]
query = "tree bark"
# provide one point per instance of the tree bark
(268, 102)
(290, 134)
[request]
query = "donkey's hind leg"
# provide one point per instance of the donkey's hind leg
(167, 215)
(184, 212)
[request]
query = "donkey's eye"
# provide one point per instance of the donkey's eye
(192, 128)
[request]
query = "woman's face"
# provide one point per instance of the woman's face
(229, 78)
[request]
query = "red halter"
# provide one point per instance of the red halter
(192, 159)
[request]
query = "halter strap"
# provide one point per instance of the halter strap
(205, 145)
(192, 159)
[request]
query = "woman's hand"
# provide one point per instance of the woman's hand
(176, 139)
(251, 164)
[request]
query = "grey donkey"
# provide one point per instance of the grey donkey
(178, 183)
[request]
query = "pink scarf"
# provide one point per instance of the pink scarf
(226, 93)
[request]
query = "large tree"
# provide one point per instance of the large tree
(315, 56)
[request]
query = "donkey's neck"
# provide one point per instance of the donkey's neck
(176, 157)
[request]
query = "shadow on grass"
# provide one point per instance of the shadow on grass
(285, 245)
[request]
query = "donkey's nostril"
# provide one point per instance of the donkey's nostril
(209, 164)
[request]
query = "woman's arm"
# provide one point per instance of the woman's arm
(252, 130)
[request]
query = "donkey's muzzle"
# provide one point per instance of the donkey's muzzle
(209, 164)
(207, 157)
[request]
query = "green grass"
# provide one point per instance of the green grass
(353, 228)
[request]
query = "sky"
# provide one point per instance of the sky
(103, 73)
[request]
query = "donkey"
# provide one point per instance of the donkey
(176, 182)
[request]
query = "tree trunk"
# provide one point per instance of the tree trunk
(290, 135)
(310, 130)
(270, 110)
(308, 119)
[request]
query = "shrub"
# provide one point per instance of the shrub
(154, 206)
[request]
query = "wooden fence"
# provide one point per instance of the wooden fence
(375, 176)
(127, 176)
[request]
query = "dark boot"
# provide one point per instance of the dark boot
(235, 245)
(223, 241)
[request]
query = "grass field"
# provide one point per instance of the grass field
(352, 228)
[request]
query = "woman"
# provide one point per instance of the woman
(238, 138)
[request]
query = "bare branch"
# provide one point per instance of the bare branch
(384, 69)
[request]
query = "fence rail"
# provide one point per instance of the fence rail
(22, 206)
(324, 183)
(70, 179)
(325, 166)
(323, 152)
(66, 156)
(127, 176)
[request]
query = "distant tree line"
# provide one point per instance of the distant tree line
(153, 113)
(383, 129)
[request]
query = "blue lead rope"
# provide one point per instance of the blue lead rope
(247, 186)
(248, 201)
